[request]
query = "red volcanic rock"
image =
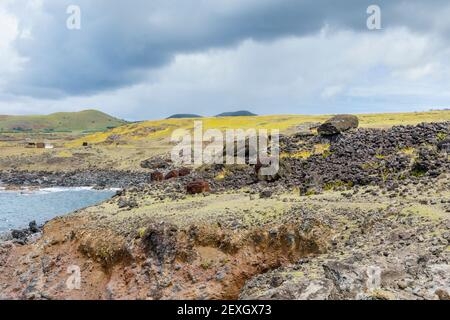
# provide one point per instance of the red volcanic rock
(184, 172)
(157, 176)
(199, 186)
(172, 174)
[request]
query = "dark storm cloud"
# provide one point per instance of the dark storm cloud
(121, 40)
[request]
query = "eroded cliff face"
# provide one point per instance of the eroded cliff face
(164, 261)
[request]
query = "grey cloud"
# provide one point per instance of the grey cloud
(121, 40)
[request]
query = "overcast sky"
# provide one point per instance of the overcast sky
(147, 59)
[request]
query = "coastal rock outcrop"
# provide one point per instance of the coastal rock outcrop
(26, 235)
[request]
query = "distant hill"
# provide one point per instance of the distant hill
(242, 113)
(184, 116)
(88, 120)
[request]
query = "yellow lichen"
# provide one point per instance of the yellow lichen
(321, 148)
(304, 154)
(64, 154)
(337, 184)
(408, 151)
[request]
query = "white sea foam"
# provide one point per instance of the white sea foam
(26, 191)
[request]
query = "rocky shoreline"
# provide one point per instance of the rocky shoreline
(97, 178)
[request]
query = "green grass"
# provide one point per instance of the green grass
(88, 121)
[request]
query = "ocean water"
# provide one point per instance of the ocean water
(18, 208)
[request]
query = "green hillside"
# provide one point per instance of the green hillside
(88, 120)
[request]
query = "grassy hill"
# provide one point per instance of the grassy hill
(88, 120)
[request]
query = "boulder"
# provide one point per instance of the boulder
(348, 279)
(128, 204)
(196, 187)
(172, 174)
(20, 234)
(184, 172)
(157, 176)
(33, 227)
(265, 194)
(338, 124)
(444, 145)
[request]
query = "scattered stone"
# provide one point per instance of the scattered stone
(265, 194)
(129, 204)
(33, 227)
(171, 175)
(184, 172)
(19, 234)
(30, 234)
(198, 186)
(444, 145)
(157, 176)
(156, 163)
